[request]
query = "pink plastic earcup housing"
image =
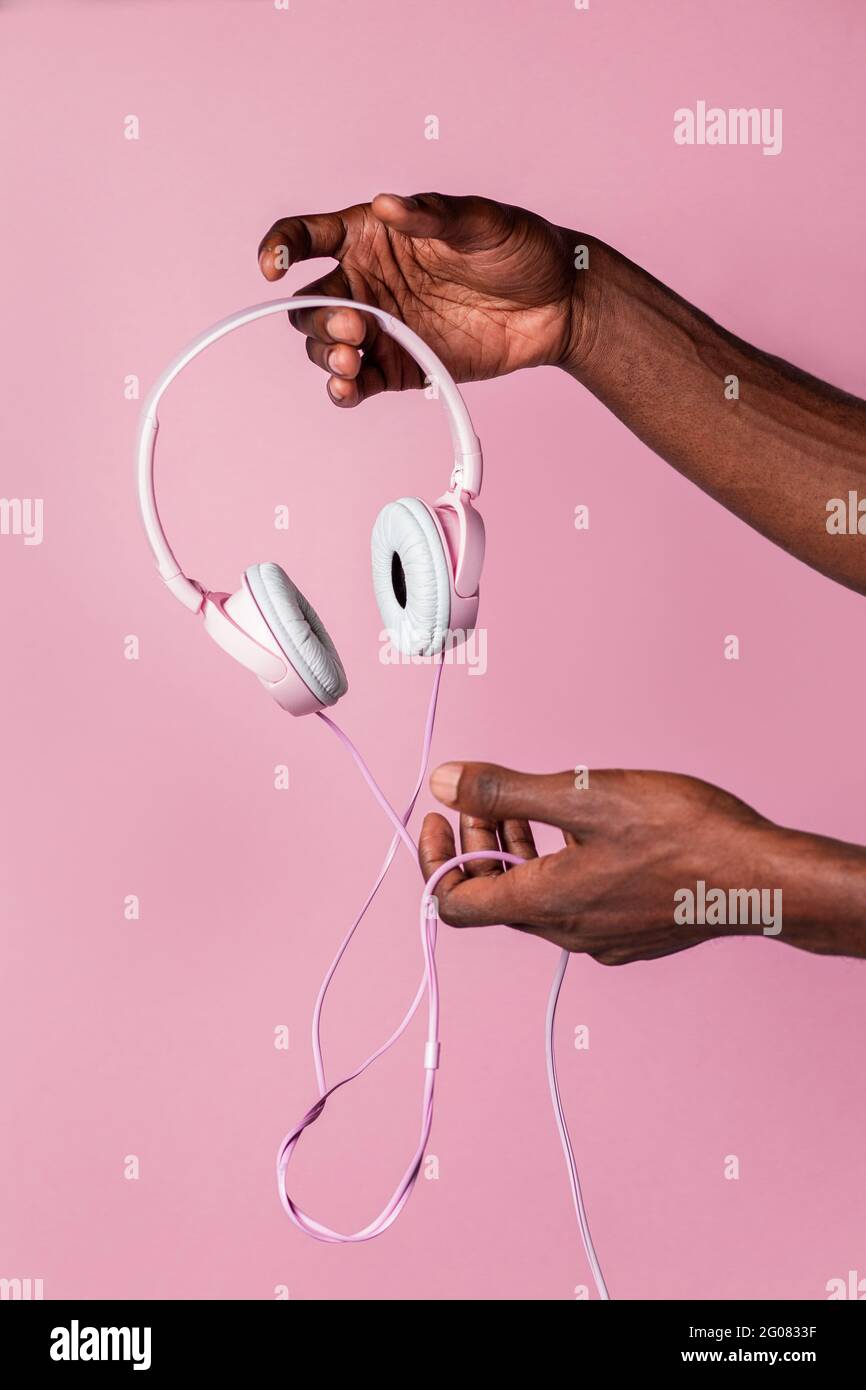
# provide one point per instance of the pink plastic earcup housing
(272, 629)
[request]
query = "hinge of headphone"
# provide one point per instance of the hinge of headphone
(467, 473)
(191, 594)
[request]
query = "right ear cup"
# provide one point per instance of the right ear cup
(299, 633)
(411, 577)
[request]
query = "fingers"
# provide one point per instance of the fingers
(335, 338)
(500, 794)
(476, 833)
(477, 899)
(435, 847)
(340, 360)
(294, 239)
(487, 900)
(329, 325)
(467, 224)
(479, 834)
(516, 837)
(369, 382)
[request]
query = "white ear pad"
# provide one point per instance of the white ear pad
(411, 577)
(299, 631)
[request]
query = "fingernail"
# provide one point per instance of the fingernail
(410, 203)
(445, 781)
(333, 361)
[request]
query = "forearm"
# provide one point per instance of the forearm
(774, 451)
(823, 889)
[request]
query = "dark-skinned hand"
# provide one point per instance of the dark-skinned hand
(632, 839)
(489, 287)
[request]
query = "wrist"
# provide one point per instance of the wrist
(587, 261)
(823, 888)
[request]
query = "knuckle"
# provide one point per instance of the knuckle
(487, 792)
(605, 957)
(484, 868)
(449, 912)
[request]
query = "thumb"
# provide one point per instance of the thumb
(467, 224)
(498, 793)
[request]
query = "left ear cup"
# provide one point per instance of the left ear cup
(411, 577)
(299, 631)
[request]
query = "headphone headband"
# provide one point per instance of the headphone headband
(466, 476)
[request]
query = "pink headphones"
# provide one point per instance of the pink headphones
(427, 562)
(427, 558)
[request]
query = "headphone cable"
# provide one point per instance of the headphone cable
(429, 919)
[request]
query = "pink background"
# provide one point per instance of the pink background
(155, 777)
